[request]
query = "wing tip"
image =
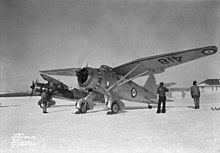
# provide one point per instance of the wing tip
(214, 48)
(210, 50)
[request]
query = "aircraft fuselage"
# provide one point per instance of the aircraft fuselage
(103, 78)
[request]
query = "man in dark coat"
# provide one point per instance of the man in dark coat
(195, 93)
(162, 97)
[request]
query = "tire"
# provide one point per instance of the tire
(149, 107)
(115, 108)
(83, 108)
(40, 103)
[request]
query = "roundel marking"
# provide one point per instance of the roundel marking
(133, 92)
(208, 51)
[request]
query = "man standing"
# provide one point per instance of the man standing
(195, 93)
(45, 98)
(162, 97)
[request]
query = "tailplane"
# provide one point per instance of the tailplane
(150, 86)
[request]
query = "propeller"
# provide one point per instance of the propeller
(81, 59)
(81, 72)
(33, 87)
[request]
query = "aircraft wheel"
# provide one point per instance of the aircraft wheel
(83, 108)
(40, 103)
(115, 108)
(149, 107)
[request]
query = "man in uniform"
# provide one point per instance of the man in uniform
(162, 97)
(195, 93)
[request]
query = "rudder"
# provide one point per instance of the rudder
(150, 85)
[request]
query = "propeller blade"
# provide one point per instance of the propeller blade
(33, 87)
(81, 59)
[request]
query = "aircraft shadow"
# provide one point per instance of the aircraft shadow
(138, 107)
(64, 110)
(125, 110)
(180, 106)
(191, 107)
(61, 106)
(9, 106)
(101, 110)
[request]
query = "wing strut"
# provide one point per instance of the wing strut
(121, 80)
(145, 72)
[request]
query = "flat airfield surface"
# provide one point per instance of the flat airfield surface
(182, 129)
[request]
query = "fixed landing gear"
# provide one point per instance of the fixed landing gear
(114, 109)
(150, 107)
(83, 109)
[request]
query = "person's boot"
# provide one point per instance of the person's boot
(163, 109)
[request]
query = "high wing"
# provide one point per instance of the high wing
(52, 80)
(158, 64)
(64, 72)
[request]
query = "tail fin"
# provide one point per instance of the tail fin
(151, 86)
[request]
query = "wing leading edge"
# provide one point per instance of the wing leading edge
(64, 72)
(152, 64)
(158, 63)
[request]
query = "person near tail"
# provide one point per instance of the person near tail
(195, 94)
(162, 97)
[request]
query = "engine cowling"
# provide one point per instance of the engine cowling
(89, 78)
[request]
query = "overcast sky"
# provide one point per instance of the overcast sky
(50, 34)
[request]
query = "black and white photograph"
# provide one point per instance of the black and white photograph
(109, 76)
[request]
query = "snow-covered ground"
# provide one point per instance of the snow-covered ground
(182, 129)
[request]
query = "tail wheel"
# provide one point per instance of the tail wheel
(115, 108)
(83, 108)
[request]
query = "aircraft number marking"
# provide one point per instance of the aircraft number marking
(168, 60)
(133, 92)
